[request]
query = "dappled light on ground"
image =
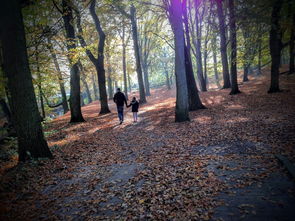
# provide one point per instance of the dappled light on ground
(156, 167)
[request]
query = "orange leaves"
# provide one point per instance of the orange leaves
(157, 169)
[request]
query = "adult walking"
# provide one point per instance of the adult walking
(120, 99)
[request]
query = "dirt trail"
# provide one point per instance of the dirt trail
(218, 166)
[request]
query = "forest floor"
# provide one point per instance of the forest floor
(218, 166)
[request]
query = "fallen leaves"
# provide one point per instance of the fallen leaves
(156, 169)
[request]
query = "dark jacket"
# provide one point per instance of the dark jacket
(120, 99)
(134, 105)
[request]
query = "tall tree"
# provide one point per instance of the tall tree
(145, 49)
(233, 41)
(94, 87)
(193, 95)
(291, 46)
(59, 76)
(124, 45)
(39, 83)
(25, 114)
(84, 81)
(109, 71)
(275, 45)
(198, 45)
(259, 54)
(99, 61)
(75, 104)
(174, 10)
(214, 49)
(223, 48)
(132, 17)
(137, 55)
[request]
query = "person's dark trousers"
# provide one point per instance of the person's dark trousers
(120, 113)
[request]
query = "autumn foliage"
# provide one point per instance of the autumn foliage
(156, 168)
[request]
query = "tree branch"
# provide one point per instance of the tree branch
(82, 40)
(97, 26)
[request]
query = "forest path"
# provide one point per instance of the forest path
(157, 169)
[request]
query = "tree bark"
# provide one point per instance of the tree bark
(59, 76)
(129, 83)
(144, 54)
(75, 105)
(246, 55)
(223, 48)
(83, 79)
(275, 45)
(39, 85)
(182, 105)
(259, 54)
(213, 40)
(291, 47)
(109, 76)
(6, 110)
(198, 45)
(146, 78)
(40, 96)
(24, 109)
(193, 95)
(137, 55)
(82, 99)
(95, 91)
(167, 80)
(246, 72)
(233, 41)
(205, 64)
(100, 62)
(124, 63)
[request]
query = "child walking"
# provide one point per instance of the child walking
(135, 104)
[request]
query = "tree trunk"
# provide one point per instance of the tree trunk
(233, 41)
(198, 45)
(215, 61)
(41, 100)
(99, 65)
(82, 99)
(5, 110)
(193, 96)
(110, 87)
(87, 90)
(146, 78)
(275, 45)
(137, 55)
(291, 48)
(75, 105)
(83, 79)
(124, 63)
(246, 72)
(182, 105)
(60, 78)
(205, 66)
(167, 78)
(259, 54)
(246, 58)
(39, 85)
(223, 48)
(110, 82)
(129, 83)
(95, 92)
(24, 109)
